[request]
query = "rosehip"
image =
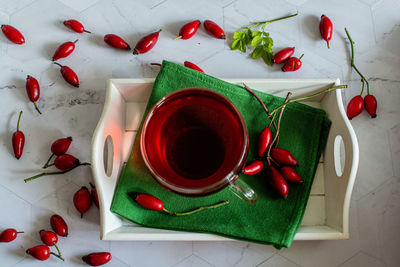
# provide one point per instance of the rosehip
(213, 29)
(59, 226)
(370, 105)
(277, 182)
(64, 50)
(326, 29)
(283, 55)
(292, 64)
(60, 146)
(253, 168)
(290, 174)
(13, 34)
(33, 90)
(116, 42)
(18, 140)
(264, 140)
(75, 25)
(188, 30)
(40, 252)
(146, 43)
(97, 258)
(148, 201)
(283, 156)
(49, 238)
(192, 66)
(82, 200)
(66, 162)
(9, 235)
(355, 106)
(69, 75)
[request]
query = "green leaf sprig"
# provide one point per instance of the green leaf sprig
(259, 39)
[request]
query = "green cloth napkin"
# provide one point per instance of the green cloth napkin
(271, 220)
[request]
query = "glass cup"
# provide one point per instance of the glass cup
(195, 142)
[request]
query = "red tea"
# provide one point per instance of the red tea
(194, 139)
(195, 144)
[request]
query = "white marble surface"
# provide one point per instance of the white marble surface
(375, 206)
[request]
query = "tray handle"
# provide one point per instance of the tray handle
(106, 155)
(345, 136)
(339, 181)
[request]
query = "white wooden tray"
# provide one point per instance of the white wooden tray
(327, 213)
